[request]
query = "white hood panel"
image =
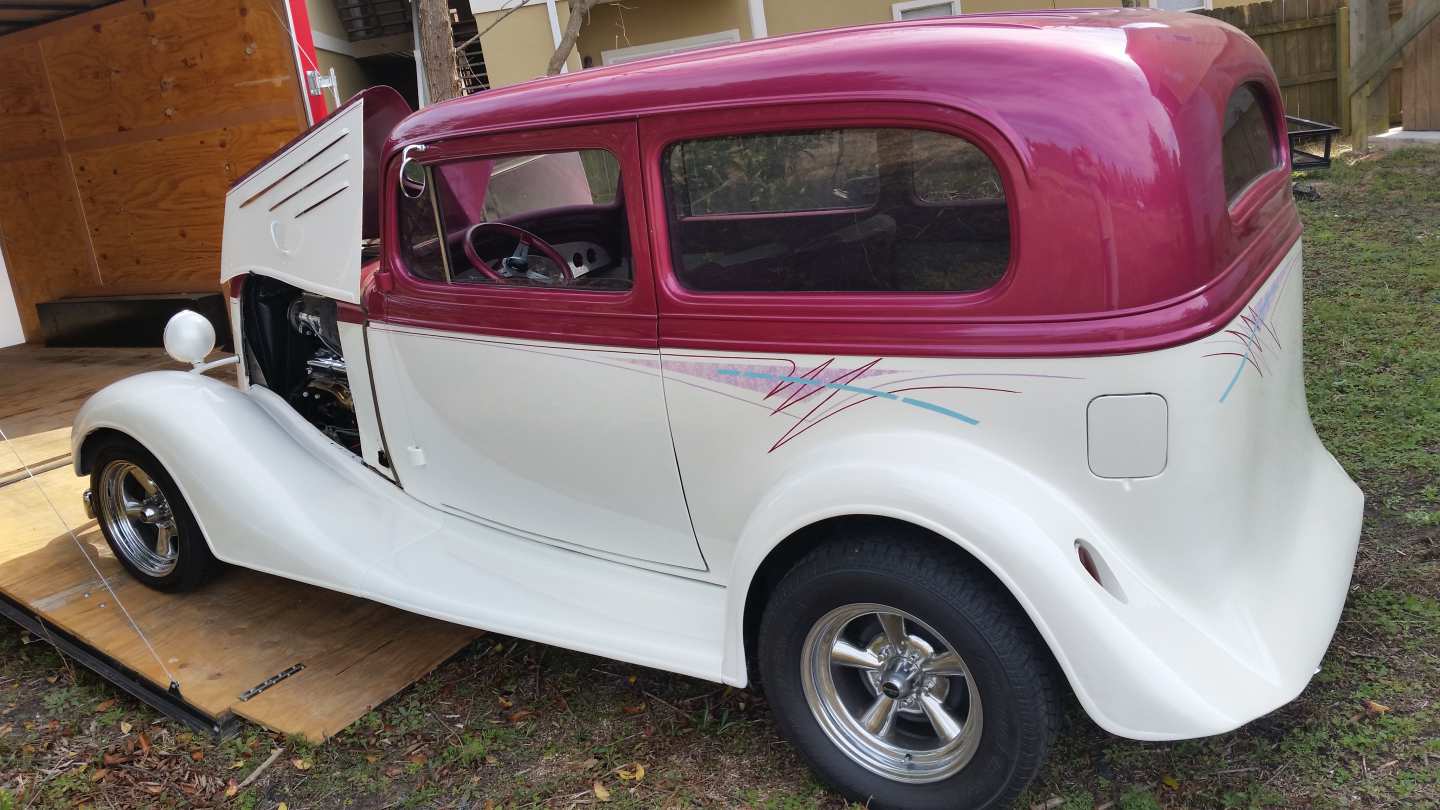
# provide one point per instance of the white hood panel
(298, 218)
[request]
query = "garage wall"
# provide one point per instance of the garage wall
(120, 131)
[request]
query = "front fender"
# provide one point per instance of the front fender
(270, 491)
(1131, 659)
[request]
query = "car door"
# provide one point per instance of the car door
(516, 392)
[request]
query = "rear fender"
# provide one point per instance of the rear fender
(973, 498)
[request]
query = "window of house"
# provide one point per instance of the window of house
(1181, 5)
(859, 209)
(924, 9)
(1248, 143)
(553, 219)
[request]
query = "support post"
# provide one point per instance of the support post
(759, 28)
(435, 40)
(1369, 112)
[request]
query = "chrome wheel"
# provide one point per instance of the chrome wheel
(891, 693)
(138, 518)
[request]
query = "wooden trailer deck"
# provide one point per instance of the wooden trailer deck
(221, 642)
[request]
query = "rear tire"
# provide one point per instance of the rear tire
(145, 519)
(973, 702)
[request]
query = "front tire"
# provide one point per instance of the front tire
(906, 676)
(145, 519)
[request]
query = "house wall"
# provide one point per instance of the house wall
(642, 22)
(325, 24)
(120, 131)
(519, 47)
(791, 16)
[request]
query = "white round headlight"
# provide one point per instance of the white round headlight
(189, 337)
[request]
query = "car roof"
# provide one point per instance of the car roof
(977, 58)
(1106, 123)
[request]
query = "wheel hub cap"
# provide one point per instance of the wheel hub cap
(891, 693)
(138, 518)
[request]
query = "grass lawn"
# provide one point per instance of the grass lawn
(518, 724)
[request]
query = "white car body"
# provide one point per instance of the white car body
(621, 501)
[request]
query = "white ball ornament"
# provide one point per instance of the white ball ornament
(189, 337)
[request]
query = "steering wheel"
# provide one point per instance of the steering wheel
(517, 263)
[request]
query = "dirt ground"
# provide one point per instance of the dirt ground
(515, 724)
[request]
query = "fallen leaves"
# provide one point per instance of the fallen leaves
(634, 773)
(601, 792)
(301, 764)
(638, 708)
(1371, 707)
(125, 727)
(144, 740)
(104, 706)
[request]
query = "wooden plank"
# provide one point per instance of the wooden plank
(1386, 44)
(1369, 110)
(1342, 69)
(1324, 21)
(220, 641)
(1422, 79)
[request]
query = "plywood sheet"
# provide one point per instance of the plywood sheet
(42, 233)
(41, 390)
(120, 131)
(156, 209)
(27, 114)
(218, 642)
(169, 63)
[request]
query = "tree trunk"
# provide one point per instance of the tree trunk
(579, 11)
(437, 50)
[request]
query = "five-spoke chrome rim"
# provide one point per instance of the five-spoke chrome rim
(138, 518)
(891, 693)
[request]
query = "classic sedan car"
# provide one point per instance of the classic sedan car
(919, 374)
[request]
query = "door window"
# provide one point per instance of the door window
(860, 210)
(544, 220)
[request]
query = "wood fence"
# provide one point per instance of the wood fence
(1308, 44)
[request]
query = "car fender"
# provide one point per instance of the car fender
(1020, 528)
(268, 490)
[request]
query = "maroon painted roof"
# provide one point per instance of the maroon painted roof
(1107, 122)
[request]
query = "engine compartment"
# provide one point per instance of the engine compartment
(291, 345)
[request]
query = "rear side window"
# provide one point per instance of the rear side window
(855, 210)
(1248, 144)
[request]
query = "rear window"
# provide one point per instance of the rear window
(1248, 144)
(863, 209)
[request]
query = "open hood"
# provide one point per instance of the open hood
(301, 215)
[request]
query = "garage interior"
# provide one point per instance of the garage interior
(122, 124)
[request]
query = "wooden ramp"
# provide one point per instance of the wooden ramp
(345, 655)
